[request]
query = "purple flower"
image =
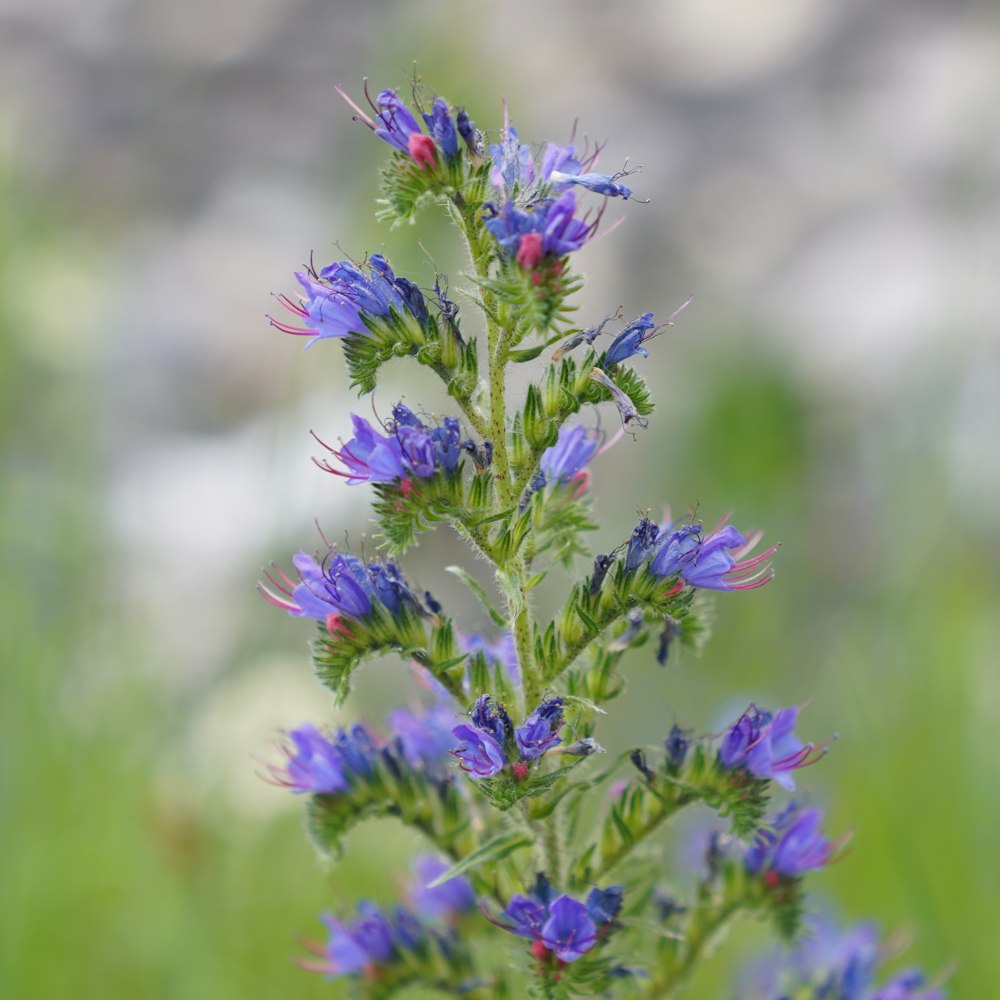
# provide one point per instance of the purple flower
(322, 766)
(765, 745)
(341, 300)
(907, 986)
(540, 731)
(573, 449)
(714, 562)
(390, 587)
(339, 586)
(560, 924)
(444, 901)
(369, 457)
(424, 737)
(569, 932)
(548, 227)
(606, 184)
(441, 126)
(479, 754)
(792, 847)
(527, 916)
(410, 448)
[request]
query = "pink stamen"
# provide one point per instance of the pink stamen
(359, 116)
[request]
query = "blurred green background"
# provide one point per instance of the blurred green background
(823, 177)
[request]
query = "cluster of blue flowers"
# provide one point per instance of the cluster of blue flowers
(411, 448)
(560, 925)
(766, 746)
(342, 301)
(491, 742)
(834, 964)
(376, 939)
(340, 585)
(711, 562)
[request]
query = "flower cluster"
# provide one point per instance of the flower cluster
(712, 562)
(491, 742)
(324, 766)
(411, 448)
(342, 301)
(836, 964)
(340, 585)
(560, 925)
(766, 746)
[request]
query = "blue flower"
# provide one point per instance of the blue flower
(322, 766)
(569, 932)
(549, 227)
(341, 300)
(339, 586)
(369, 457)
(540, 731)
(765, 745)
(560, 924)
(793, 845)
(479, 754)
(565, 459)
(445, 901)
(441, 126)
(713, 562)
(629, 341)
(424, 737)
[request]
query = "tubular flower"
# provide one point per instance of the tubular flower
(712, 562)
(793, 846)
(323, 766)
(339, 585)
(392, 121)
(341, 300)
(765, 745)
(410, 448)
(540, 731)
(374, 938)
(490, 743)
(566, 459)
(834, 963)
(629, 342)
(560, 924)
(547, 227)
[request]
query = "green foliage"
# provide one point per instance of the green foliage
(423, 637)
(428, 803)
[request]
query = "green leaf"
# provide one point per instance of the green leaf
(477, 588)
(496, 850)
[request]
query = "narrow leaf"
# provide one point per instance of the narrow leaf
(477, 588)
(497, 849)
